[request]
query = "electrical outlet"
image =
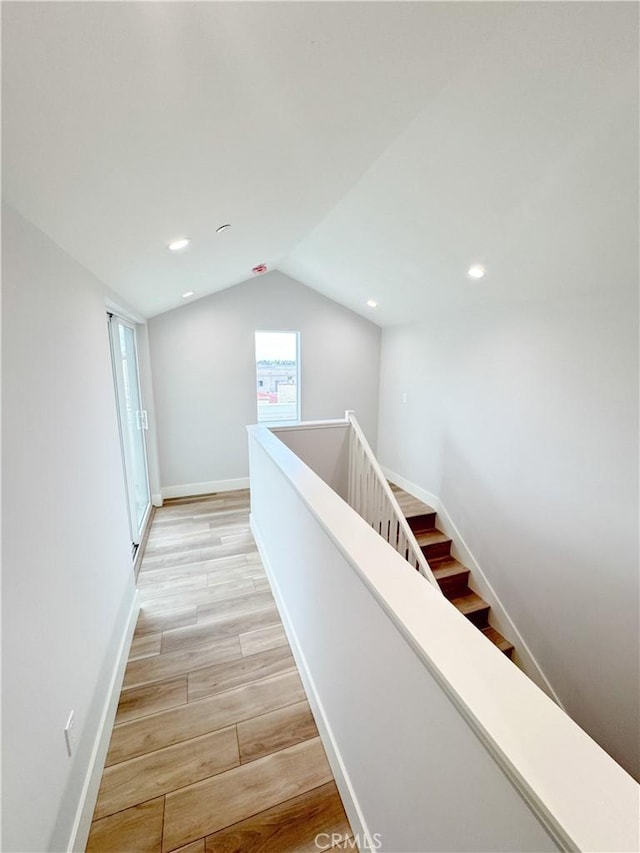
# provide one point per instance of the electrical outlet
(70, 734)
(403, 399)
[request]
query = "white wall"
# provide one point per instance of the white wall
(203, 360)
(524, 422)
(324, 448)
(67, 582)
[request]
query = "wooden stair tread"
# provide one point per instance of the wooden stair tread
(409, 505)
(447, 568)
(470, 603)
(430, 537)
(497, 639)
(423, 509)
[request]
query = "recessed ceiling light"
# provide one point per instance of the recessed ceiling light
(188, 294)
(372, 303)
(178, 245)
(222, 228)
(476, 271)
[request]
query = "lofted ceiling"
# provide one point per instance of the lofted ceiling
(370, 150)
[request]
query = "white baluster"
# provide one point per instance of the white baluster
(371, 497)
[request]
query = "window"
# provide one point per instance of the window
(278, 376)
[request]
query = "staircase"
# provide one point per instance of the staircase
(451, 575)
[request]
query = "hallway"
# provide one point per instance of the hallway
(214, 747)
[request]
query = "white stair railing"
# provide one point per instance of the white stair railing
(370, 495)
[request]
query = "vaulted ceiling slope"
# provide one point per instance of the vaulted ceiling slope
(370, 150)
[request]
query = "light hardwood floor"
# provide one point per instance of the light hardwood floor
(214, 748)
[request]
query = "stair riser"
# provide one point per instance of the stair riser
(456, 586)
(480, 618)
(421, 523)
(436, 550)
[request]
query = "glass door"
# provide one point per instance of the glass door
(133, 423)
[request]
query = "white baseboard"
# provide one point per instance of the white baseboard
(343, 782)
(87, 804)
(186, 490)
(156, 500)
(479, 583)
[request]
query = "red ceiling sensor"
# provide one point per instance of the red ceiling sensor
(259, 268)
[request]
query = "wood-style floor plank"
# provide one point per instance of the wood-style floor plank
(163, 666)
(154, 732)
(145, 646)
(225, 799)
(216, 629)
(149, 577)
(215, 679)
(305, 824)
(211, 688)
(171, 527)
(244, 603)
(275, 730)
(132, 782)
(178, 559)
(151, 621)
(149, 573)
(150, 698)
(160, 587)
(178, 599)
(248, 570)
(194, 847)
(139, 828)
(262, 639)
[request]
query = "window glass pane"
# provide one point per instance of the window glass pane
(132, 422)
(277, 376)
(133, 426)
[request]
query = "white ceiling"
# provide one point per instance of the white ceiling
(367, 149)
